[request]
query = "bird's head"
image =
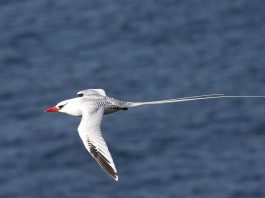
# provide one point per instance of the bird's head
(70, 107)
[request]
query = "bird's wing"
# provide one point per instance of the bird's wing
(89, 92)
(89, 131)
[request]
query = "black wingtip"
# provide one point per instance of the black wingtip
(103, 161)
(116, 178)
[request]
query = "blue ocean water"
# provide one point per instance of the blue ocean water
(136, 50)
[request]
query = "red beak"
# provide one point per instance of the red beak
(52, 109)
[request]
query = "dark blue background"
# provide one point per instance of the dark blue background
(137, 50)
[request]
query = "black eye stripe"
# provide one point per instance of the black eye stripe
(80, 95)
(61, 106)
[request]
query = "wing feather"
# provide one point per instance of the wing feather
(89, 92)
(90, 133)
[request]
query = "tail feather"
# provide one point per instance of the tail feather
(193, 98)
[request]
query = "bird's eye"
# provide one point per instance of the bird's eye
(61, 106)
(80, 95)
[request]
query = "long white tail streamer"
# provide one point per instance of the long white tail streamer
(193, 98)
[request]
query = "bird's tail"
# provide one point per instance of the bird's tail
(193, 98)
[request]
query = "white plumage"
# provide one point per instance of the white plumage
(92, 104)
(90, 133)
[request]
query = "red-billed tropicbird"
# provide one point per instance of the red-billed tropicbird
(92, 104)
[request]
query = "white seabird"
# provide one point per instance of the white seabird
(92, 104)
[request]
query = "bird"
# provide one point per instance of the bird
(92, 104)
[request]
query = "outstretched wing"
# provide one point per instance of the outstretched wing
(89, 92)
(89, 131)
